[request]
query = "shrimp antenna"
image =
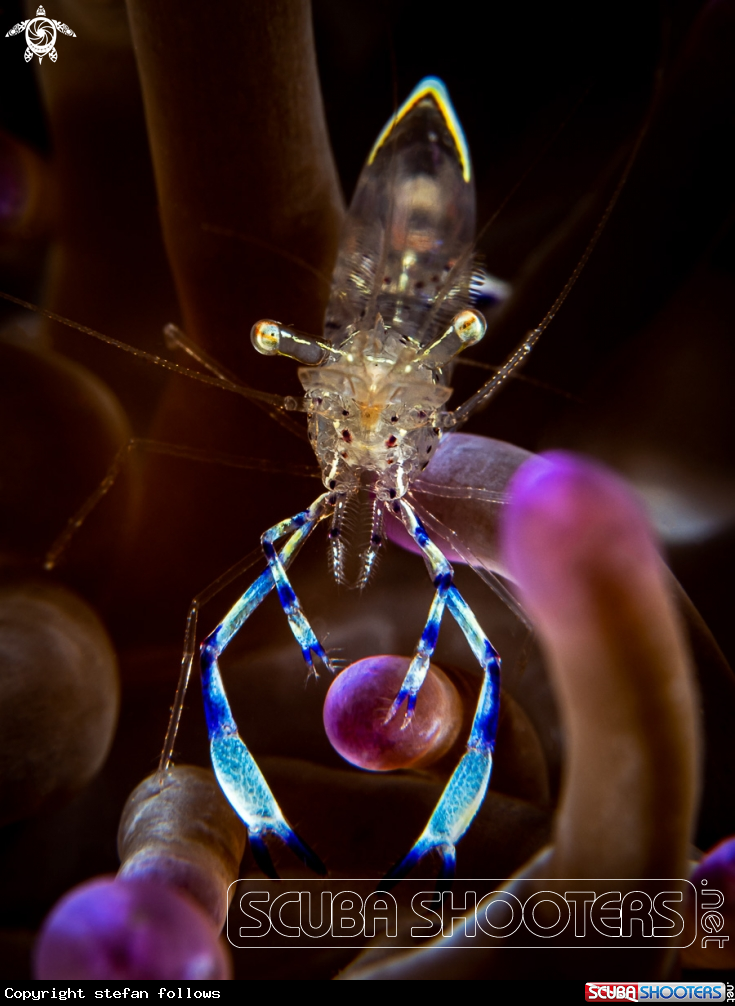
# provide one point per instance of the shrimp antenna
(288, 402)
(518, 357)
(465, 259)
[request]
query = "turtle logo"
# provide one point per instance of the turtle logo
(40, 35)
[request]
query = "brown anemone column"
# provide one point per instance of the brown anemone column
(251, 209)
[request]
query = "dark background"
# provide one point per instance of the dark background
(636, 369)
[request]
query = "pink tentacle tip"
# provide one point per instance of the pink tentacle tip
(109, 928)
(360, 727)
(717, 870)
(571, 519)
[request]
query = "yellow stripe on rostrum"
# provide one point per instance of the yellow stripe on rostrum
(430, 87)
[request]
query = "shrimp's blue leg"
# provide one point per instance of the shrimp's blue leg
(441, 575)
(303, 632)
(237, 773)
(465, 791)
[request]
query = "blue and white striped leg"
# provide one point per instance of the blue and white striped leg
(303, 632)
(237, 773)
(441, 575)
(465, 791)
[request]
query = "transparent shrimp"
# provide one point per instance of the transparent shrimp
(405, 293)
(404, 303)
(376, 385)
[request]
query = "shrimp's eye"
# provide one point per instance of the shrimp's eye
(470, 327)
(266, 337)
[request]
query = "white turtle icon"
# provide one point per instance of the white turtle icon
(40, 35)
